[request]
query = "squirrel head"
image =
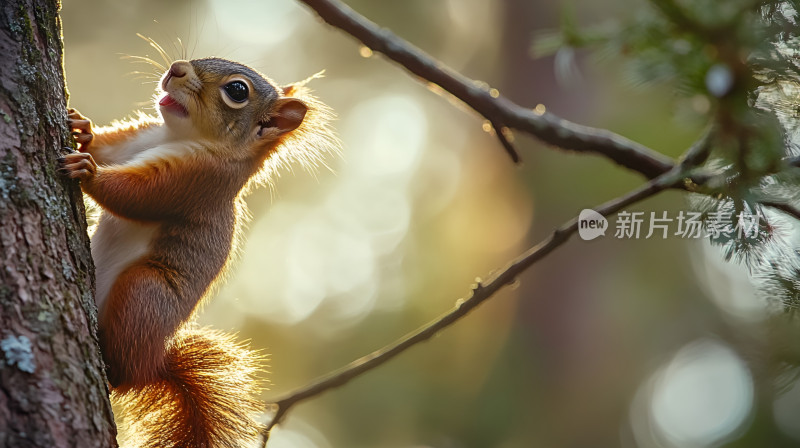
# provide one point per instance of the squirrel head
(227, 102)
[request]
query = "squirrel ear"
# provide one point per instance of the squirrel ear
(288, 117)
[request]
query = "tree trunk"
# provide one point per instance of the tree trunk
(53, 389)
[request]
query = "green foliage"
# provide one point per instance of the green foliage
(738, 64)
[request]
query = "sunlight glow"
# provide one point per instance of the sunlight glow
(728, 285)
(786, 408)
(324, 258)
(298, 434)
(699, 399)
(275, 24)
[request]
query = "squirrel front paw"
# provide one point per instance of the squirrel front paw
(78, 165)
(81, 128)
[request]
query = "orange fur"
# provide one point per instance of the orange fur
(173, 192)
(205, 367)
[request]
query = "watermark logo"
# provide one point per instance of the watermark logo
(591, 224)
(634, 225)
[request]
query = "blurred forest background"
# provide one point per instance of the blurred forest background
(612, 342)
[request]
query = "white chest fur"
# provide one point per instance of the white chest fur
(116, 244)
(152, 143)
(121, 153)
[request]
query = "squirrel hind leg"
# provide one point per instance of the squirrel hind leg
(205, 397)
(134, 327)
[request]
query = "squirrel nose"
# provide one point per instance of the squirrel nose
(179, 69)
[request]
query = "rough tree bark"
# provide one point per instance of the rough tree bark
(52, 387)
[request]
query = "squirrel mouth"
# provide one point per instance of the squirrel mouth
(169, 103)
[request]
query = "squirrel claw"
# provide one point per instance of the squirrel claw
(80, 128)
(78, 166)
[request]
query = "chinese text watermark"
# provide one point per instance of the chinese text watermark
(645, 225)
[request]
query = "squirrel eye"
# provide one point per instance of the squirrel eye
(237, 91)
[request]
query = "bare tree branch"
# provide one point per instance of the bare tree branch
(479, 294)
(785, 207)
(500, 111)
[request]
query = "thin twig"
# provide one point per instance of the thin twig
(480, 293)
(499, 110)
(785, 207)
(509, 147)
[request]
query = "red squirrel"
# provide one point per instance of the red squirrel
(170, 191)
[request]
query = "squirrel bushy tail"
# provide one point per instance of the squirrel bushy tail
(203, 398)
